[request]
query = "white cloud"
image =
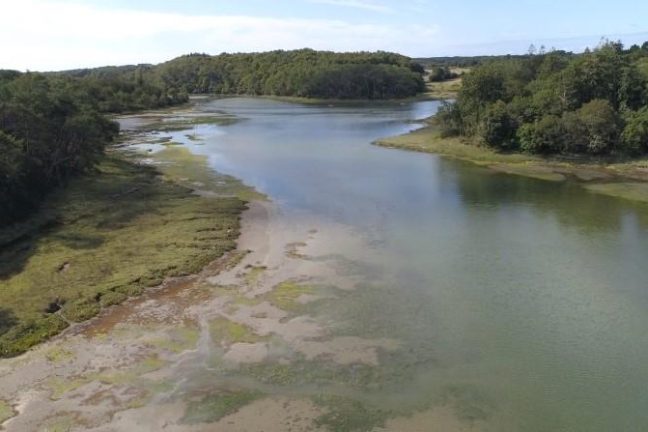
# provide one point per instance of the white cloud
(358, 4)
(54, 35)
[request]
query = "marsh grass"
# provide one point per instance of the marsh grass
(105, 237)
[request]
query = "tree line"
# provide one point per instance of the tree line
(300, 73)
(53, 126)
(557, 102)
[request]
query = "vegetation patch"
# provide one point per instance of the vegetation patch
(132, 375)
(443, 89)
(101, 239)
(59, 386)
(253, 274)
(314, 372)
(6, 411)
(226, 332)
(212, 408)
(470, 403)
(178, 339)
(349, 415)
(285, 296)
(58, 354)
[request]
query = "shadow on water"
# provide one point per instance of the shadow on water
(567, 201)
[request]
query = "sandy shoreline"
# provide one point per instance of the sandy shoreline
(142, 364)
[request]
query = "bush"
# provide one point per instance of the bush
(498, 127)
(545, 136)
(441, 73)
(634, 139)
(602, 124)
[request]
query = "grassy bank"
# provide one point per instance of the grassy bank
(620, 178)
(443, 89)
(108, 236)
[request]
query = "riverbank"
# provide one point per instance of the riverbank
(623, 179)
(109, 235)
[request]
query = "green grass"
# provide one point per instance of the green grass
(444, 89)
(105, 237)
(212, 408)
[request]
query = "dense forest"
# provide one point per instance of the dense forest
(556, 102)
(301, 73)
(52, 127)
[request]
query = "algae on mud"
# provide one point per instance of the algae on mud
(108, 236)
(212, 408)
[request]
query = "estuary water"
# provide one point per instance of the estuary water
(521, 303)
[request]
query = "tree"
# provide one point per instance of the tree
(602, 124)
(544, 136)
(498, 127)
(635, 134)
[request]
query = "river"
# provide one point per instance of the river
(523, 299)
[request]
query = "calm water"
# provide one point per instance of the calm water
(521, 301)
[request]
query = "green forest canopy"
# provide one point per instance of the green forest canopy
(557, 102)
(300, 73)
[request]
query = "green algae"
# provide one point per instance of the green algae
(226, 332)
(349, 415)
(58, 355)
(177, 340)
(285, 296)
(6, 411)
(212, 408)
(254, 273)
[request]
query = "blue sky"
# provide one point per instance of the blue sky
(62, 34)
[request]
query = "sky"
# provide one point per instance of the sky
(45, 35)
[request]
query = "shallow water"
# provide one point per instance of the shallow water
(520, 301)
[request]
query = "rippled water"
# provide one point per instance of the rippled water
(522, 301)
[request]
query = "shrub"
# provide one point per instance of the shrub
(498, 127)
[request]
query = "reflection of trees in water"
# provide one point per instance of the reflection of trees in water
(568, 202)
